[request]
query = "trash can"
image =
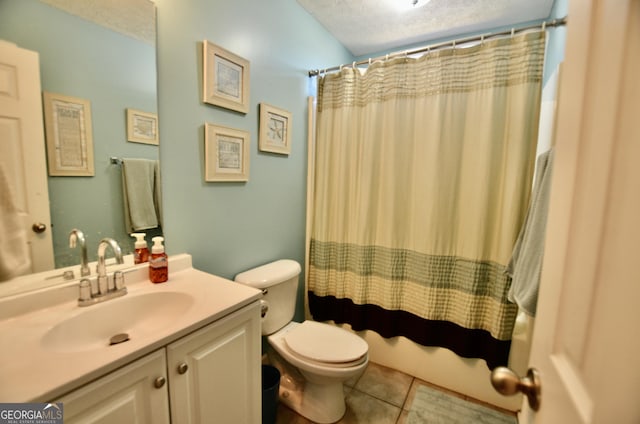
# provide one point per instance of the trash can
(270, 388)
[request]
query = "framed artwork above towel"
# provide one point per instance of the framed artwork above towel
(142, 127)
(69, 135)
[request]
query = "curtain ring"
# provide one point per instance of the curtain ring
(353, 65)
(513, 31)
(341, 66)
(544, 25)
(482, 40)
(454, 44)
(369, 61)
(386, 57)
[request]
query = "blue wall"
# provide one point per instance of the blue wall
(114, 72)
(230, 227)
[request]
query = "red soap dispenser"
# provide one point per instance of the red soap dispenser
(158, 262)
(141, 252)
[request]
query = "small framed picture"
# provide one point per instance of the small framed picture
(69, 135)
(275, 130)
(226, 78)
(226, 153)
(142, 127)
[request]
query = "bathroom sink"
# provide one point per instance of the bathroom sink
(135, 316)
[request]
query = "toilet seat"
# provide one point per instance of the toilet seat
(326, 345)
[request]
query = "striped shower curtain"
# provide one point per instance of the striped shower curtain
(422, 178)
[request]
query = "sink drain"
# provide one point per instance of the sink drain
(119, 338)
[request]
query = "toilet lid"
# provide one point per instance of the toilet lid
(325, 343)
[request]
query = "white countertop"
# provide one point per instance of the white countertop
(33, 372)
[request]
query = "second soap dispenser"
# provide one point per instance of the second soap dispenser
(158, 262)
(141, 252)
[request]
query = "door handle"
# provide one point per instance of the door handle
(508, 383)
(39, 227)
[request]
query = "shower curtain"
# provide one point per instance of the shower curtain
(422, 178)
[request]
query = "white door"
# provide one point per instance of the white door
(22, 148)
(586, 342)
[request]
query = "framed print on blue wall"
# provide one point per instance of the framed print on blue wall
(226, 78)
(275, 130)
(226, 152)
(69, 135)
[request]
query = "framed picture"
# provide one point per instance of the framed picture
(226, 153)
(142, 127)
(69, 135)
(275, 130)
(226, 78)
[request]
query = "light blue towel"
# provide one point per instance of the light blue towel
(528, 252)
(142, 194)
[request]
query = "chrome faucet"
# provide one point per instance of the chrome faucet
(104, 288)
(77, 236)
(101, 268)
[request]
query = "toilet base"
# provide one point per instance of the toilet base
(320, 403)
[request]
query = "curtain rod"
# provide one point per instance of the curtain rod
(546, 24)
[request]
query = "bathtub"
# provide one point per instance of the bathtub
(444, 368)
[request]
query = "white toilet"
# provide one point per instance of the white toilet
(314, 358)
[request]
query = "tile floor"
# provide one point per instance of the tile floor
(380, 395)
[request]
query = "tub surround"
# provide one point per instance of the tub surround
(441, 367)
(32, 372)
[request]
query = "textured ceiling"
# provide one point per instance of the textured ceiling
(373, 26)
(135, 18)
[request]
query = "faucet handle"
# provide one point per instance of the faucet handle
(103, 284)
(85, 289)
(118, 278)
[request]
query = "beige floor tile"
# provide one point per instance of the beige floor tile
(364, 409)
(288, 416)
(385, 383)
(404, 416)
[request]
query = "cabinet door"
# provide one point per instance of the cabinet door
(215, 372)
(128, 395)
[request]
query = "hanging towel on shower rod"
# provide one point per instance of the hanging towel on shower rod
(142, 191)
(526, 261)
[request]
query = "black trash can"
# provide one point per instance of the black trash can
(270, 388)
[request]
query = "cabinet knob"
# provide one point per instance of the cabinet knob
(182, 368)
(159, 382)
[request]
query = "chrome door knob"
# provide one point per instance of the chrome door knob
(508, 383)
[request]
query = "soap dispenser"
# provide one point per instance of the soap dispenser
(141, 252)
(158, 262)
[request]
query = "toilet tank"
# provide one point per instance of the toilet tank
(279, 284)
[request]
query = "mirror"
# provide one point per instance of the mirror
(114, 71)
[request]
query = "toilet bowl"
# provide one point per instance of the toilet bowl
(314, 358)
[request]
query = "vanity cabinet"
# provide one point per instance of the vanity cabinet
(127, 395)
(215, 373)
(212, 375)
